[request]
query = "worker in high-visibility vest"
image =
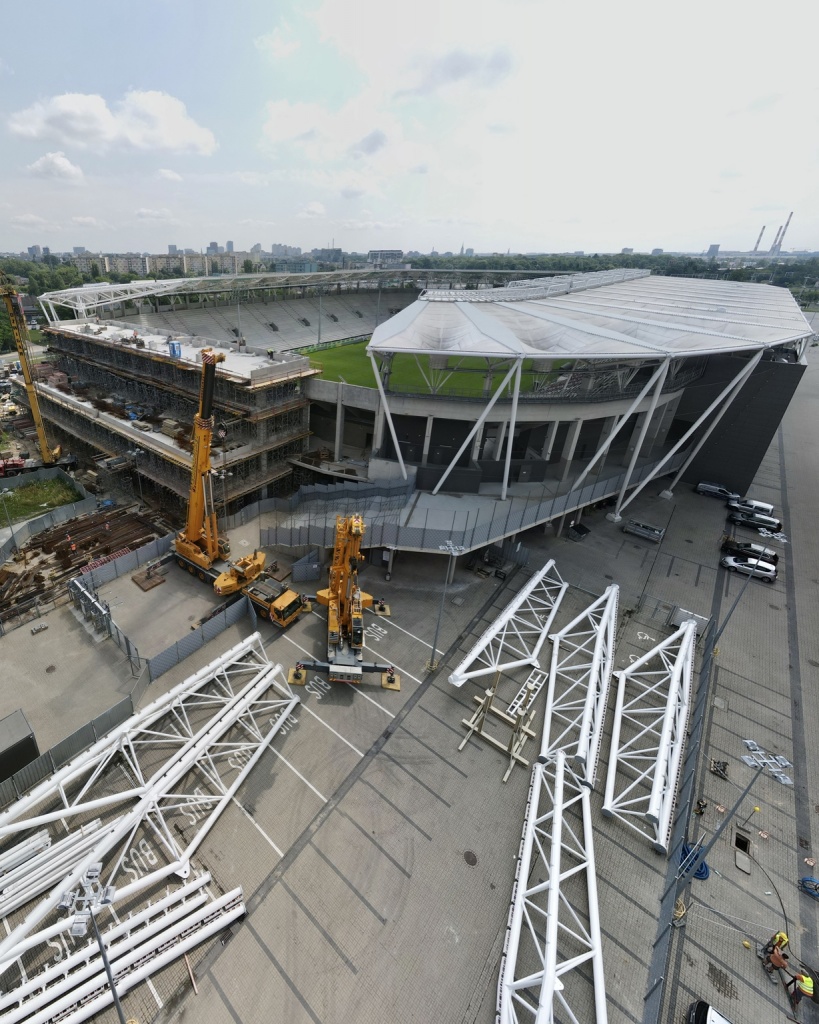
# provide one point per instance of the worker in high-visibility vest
(802, 985)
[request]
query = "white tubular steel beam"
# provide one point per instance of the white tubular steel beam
(517, 635)
(549, 946)
(648, 737)
(579, 681)
(196, 752)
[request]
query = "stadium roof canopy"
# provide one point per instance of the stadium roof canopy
(88, 298)
(609, 315)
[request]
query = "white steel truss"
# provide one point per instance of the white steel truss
(516, 636)
(648, 737)
(579, 680)
(551, 942)
(140, 801)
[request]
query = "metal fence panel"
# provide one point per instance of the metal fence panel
(306, 568)
(251, 612)
(37, 770)
(189, 643)
(71, 746)
(114, 716)
(162, 662)
(8, 793)
(213, 627)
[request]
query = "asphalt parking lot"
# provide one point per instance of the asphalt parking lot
(351, 836)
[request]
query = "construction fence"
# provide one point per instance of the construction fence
(21, 533)
(218, 623)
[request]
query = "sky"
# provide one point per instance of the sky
(522, 125)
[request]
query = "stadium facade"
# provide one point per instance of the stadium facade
(532, 389)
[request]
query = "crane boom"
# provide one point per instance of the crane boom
(14, 307)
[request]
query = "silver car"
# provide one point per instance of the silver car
(752, 566)
(716, 491)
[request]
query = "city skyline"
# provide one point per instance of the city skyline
(502, 126)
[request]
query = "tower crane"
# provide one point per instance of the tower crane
(14, 307)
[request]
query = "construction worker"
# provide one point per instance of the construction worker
(802, 985)
(778, 941)
(776, 961)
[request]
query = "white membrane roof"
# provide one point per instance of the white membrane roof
(613, 315)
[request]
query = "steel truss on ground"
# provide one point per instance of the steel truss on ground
(516, 636)
(139, 802)
(648, 737)
(579, 680)
(553, 930)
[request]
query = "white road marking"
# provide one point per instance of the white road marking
(256, 825)
(332, 730)
(297, 772)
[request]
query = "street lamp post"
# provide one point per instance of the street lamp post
(452, 550)
(82, 903)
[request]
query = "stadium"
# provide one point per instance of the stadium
(497, 403)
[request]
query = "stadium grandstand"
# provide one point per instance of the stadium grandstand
(484, 388)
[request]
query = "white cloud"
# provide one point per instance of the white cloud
(278, 44)
(29, 220)
(143, 213)
(369, 144)
(88, 222)
(142, 120)
(56, 165)
(164, 174)
(477, 70)
(313, 209)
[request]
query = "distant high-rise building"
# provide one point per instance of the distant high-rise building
(469, 252)
(35, 251)
(656, 252)
(212, 249)
(172, 250)
(328, 255)
(256, 248)
(79, 250)
(228, 246)
(626, 252)
(386, 256)
(46, 251)
(713, 252)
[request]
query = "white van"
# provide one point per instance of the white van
(751, 505)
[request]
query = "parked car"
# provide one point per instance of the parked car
(755, 521)
(749, 550)
(751, 505)
(716, 490)
(700, 1012)
(750, 566)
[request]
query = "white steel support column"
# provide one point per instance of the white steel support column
(427, 437)
(643, 431)
(709, 430)
(511, 432)
(549, 440)
(518, 633)
(570, 446)
(549, 946)
(579, 680)
(648, 737)
(390, 424)
(601, 451)
(732, 389)
(476, 429)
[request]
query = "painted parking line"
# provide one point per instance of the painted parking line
(297, 772)
(332, 730)
(256, 825)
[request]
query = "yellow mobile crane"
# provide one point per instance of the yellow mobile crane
(199, 547)
(14, 308)
(345, 602)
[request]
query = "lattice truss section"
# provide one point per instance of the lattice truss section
(552, 964)
(516, 636)
(648, 737)
(579, 681)
(139, 803)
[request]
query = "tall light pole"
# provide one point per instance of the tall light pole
(82, 903)
(452, 550)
